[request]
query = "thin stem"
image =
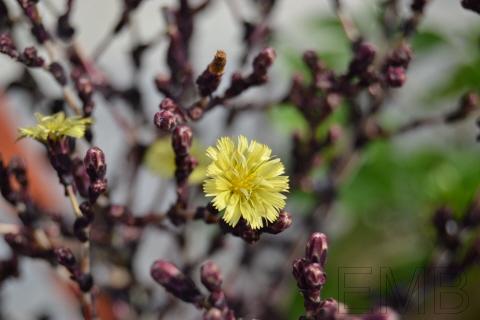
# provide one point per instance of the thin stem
(74, 201)
(6, 228)
(87, 299)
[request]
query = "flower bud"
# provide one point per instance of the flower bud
(182, 139)
(7, 46)
(174, 281)
(96, 188)
(210, 276)
(57, 71)
(314, 276)
(65, 257)
(209, 80)
(401, 56)
(31, 58)
(95, 164)
(85, 282)
(87, 211)
(264, 60)
(168, 104)
(364, 54)
(165, 120)
(316, 249)
(283, 222)
(395, 76)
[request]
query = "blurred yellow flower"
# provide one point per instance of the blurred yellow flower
(55, 126)
(160, 159)
(245, 181)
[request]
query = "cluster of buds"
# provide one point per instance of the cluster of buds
(84, 88)
(363, 56)
(96, 168)
(262, 62)
(309, 272)
(310, 275)
(395, 67)
(169, 116)
(182, 287)
(29, 57)
(66, 258)
(212, 280)
(30, 10)
(249, 235)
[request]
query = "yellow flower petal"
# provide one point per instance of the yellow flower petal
(245, 182)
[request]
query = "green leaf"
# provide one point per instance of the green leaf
(427, 40)
(288, 119)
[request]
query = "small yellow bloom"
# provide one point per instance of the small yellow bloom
(56, 126)
(245, 181)
(160, 159)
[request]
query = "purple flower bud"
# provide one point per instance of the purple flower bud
(168, 104)
(31, 58)
(182, 139)
(364, 54)
(58, 73)
(79, 226)
(298, 268)
(85, 282)
(65, 257)
(314, 275)
(395, 76)
(165, 120)
(96, 188)
(87, 211)
(7, 46)
(95, 164)
(209, 80)
(210, 276)
(264, 60)
(174, 281)
(401, 56)
(283, 222)
(316, 249)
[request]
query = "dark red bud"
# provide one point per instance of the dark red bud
(174, 281)
(210, 276)
(95, 164)
(316, 249)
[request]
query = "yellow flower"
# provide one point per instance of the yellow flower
(56, 126)
(245, 181)
(160, 159)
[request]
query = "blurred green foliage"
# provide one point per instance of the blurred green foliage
(386, 205)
